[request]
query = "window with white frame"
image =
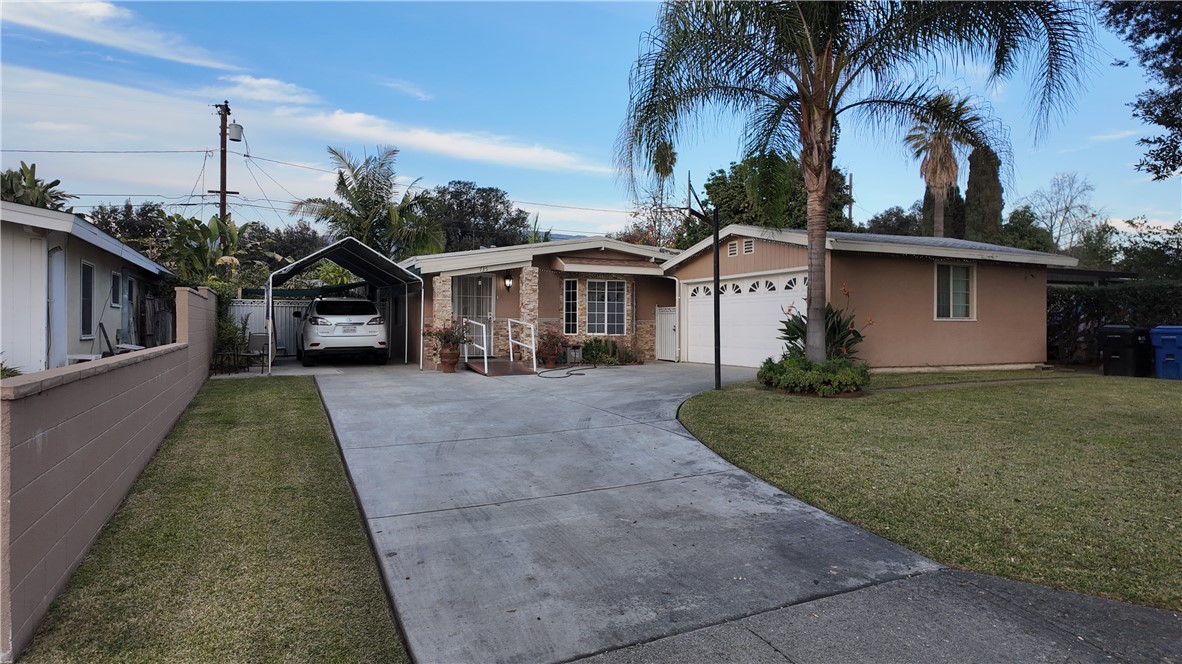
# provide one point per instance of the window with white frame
(570, 306)
(954, 292)
(116, 289)
(605, 307)
(86, 301)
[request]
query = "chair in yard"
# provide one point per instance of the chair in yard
(256, 350)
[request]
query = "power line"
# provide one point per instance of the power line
(260, 186)
(285, 163)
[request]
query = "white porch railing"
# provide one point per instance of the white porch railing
(483, 345)
(532, 346)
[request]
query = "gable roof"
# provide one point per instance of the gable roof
(356, 257)
(521, 255)
(76, 226)
(902, 245)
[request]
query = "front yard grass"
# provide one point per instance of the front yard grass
(240, 542)
(1073, 483)
(883, 381)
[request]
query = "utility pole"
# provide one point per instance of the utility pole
(223, 111)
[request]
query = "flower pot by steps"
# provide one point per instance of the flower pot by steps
(448, 357)
(549, 360)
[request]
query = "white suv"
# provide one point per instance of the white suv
(341, 326)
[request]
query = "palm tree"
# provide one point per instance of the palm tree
(366, 209)
(936, 143)
(794, 68)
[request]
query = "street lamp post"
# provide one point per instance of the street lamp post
(717, 316)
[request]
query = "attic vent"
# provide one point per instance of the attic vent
(732, 249)
(748, 246)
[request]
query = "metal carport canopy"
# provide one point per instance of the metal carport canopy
(353, 255)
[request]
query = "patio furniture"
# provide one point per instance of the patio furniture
(256, 349)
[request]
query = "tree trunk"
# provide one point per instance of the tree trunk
(938, 212)
(816, 165)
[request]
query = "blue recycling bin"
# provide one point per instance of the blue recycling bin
(1166, 349)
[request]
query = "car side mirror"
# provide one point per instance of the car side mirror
(296, 314)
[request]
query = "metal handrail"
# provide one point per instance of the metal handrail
(483, 338)
(532, 345)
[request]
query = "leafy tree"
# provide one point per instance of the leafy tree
(200, 252)
(1098, 248)
(24, 187)
(768, 190)
(983, 198)
(283, 244)
(896, 221)
(472, 217)
(1153, 252)
(536, 235)
(793, 69)
(1065, 208)
(935, 141)
(366, 209)
(1022, 230)
(143, 228)
(1151, 29)
(954, 211)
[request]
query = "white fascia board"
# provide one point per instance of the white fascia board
(474, 259)
(747, 275)
(75, 225)
(485, 269)
(725, 233)
(613, 269)
(25, 215)
(948, 252)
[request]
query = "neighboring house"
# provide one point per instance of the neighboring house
(61, 279)
(935, 302)
(582, 287)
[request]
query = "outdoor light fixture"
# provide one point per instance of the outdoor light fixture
(508, 282)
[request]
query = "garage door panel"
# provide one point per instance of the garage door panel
(751, 321)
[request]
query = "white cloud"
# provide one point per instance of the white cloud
(1113, 135)
(473, 146)
(408, 88)
(262, 89)
(109, 25)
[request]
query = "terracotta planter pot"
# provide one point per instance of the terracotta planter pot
(448, 357)
(549, 360)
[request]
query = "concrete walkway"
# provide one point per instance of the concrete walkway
(526, 519)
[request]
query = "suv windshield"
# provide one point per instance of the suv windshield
(346, 308)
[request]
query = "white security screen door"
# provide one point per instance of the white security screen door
(472, 298)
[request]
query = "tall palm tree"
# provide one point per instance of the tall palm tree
(366, 209)
(794, 68)
(935, 142)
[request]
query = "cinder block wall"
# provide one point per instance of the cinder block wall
(73, 441)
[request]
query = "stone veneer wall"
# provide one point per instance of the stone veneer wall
(441, 314)
(72, 441)
(639, 335)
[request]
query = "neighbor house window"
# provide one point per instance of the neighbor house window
(86, 301)
(116, 289)
(954, 291)
(570, 306)
(605, 307)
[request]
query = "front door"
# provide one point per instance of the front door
(472, 298)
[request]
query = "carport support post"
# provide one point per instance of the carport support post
(717, 321)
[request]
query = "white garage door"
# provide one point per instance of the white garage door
(752, 313)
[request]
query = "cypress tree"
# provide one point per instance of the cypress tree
(983, 198)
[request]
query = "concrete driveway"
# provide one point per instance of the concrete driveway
(527, 519)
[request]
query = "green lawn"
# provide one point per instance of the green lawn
(1074, 483)
(882, 381)
(240, 542)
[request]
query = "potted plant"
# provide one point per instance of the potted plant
(449, 338)
(550, 346)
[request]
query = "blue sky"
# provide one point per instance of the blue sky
(527, 97)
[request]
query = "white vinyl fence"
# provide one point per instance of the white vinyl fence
(287, 327)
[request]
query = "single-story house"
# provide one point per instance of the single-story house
(583, 287)
(64, 283)
(935, 302)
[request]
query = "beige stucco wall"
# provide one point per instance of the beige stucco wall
(899, 294)
(769, 256)
(73, 441)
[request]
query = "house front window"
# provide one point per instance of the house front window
(954, 292)
(116, 289)
(570, 306)
(605, 307)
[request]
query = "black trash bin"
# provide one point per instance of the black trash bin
(1126, 351)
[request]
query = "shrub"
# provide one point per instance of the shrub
(794, 372)
(1075, 315)
(841, 331)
